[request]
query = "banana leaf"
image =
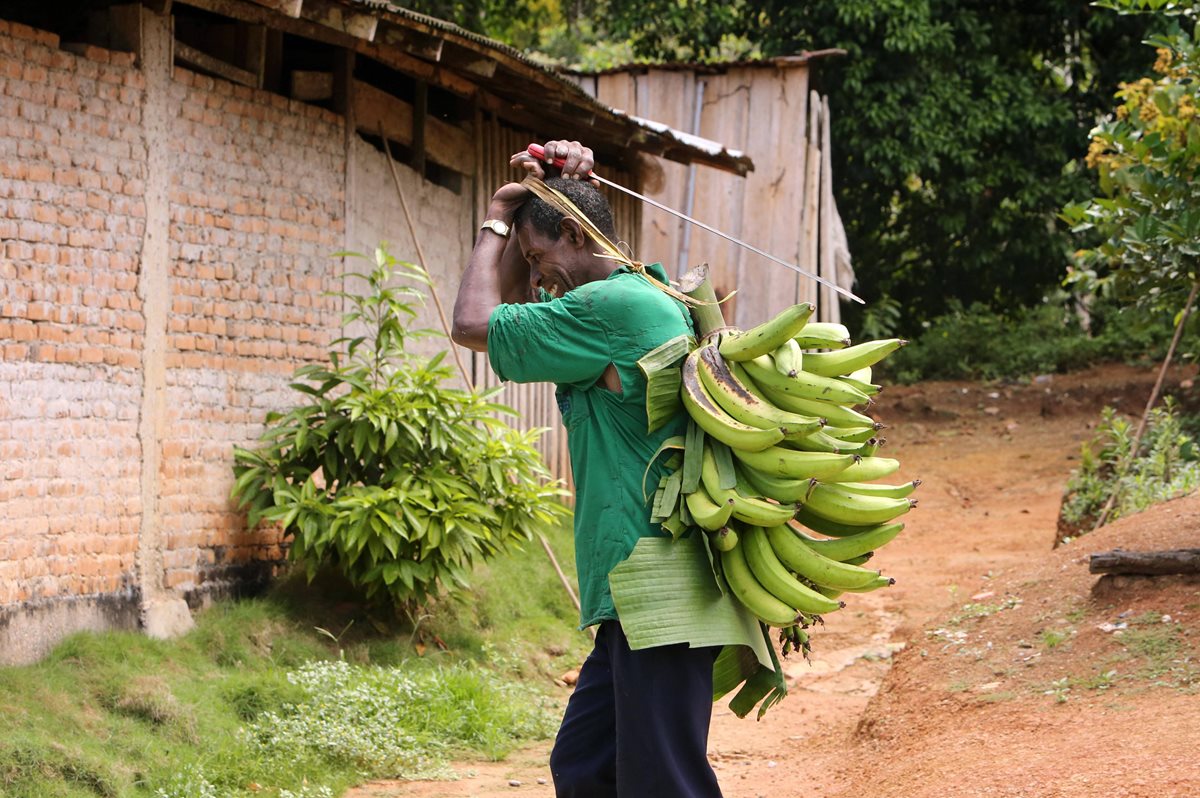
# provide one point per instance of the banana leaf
(663, 380)
(666, 593)
(693, 456)
(726, 476)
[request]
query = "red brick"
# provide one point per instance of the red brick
(38, 311)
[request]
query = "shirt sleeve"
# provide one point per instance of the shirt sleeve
(559, 341)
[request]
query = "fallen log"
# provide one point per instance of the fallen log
(1153, 563)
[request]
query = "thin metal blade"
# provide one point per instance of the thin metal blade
(729, 238)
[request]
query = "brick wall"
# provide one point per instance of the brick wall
(255, 204)
(72, 166)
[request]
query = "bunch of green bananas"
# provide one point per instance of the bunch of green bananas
(779, 468)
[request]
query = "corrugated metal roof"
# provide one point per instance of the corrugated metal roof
(559, 103)
(714, 67)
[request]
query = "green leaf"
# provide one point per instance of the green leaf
(665, 593)
(727, 476)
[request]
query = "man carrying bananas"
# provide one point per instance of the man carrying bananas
(637, 723)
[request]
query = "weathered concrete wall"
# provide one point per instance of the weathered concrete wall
(165, 242)
(443, 222)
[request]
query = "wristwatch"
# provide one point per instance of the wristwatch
(496, 226)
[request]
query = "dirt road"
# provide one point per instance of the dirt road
(994, 461)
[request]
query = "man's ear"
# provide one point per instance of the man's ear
(573, 232)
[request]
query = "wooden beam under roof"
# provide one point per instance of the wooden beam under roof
(376, 112)
(337, 16)
(201, 60)
(289, 8)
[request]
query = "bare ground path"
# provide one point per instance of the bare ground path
(899, 700)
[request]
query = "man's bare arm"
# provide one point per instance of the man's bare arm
(497, 271)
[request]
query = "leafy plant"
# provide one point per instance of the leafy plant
(1147, 155)
(976, 342)
(1165, 466)
(400, 481)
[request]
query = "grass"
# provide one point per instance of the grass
(1052, 638)
(973, 610)
(256, 701)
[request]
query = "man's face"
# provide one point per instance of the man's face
(554, 264)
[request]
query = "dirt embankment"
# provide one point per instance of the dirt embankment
(995, 666)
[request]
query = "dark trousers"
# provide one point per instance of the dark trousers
(637, 723)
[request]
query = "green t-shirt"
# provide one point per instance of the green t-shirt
(667, 589)
(570, 341)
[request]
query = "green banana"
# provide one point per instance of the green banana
(774, 577)
(828, 501)
(742, 405)
(854, 546)
(869, 388)
(823, 335)
(814, 566)
(834, 414)
(826, 527)
(788, 357)
(780, 462)
(707, 513)
(865, 449)
(724, 538)
(875, 584)
(804, 385)
(867, 469)
(781, 489)
(850, 359)
(767, 336)
(873, 489)
(853, 434)
(715, 421)
(862, 375)
(753, 595)
(820, 442)
(747, 510)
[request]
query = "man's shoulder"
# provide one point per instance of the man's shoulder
(628, 296)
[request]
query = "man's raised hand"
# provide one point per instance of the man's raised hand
(578, 160)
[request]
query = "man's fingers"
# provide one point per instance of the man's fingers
(571, 165)
(577, 160)
(527, 162)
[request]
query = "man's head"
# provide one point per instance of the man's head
(560, 254)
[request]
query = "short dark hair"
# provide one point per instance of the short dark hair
(586, 197)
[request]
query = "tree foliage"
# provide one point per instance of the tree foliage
(959, 127)
(397, 480)
(1147, 155)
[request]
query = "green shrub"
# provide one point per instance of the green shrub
(1165, 466)
(977, 343)
(396, 479)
